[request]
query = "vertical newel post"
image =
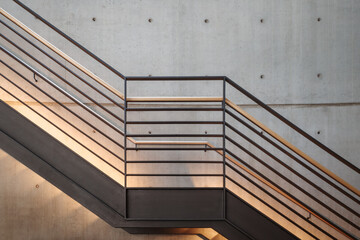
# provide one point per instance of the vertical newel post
(224, 149)
(125, 148)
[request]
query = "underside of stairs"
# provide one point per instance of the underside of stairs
(195, 208)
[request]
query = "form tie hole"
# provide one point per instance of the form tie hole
(206, 20)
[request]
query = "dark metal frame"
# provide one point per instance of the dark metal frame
(225, 110)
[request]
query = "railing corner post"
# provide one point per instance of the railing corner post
(125, 148)
(224, 149)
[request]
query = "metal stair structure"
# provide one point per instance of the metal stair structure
(87, 138)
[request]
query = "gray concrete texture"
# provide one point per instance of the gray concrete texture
(301, 57)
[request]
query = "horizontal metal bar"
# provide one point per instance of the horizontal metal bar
(173, 149)
(174, 175)
(175, 162)
(175, 78)
(174, 99)
(174, 122)
(174, 188)
(141, 142)
(176, 135)
(292, 125)
(175, 220)
(134, 109)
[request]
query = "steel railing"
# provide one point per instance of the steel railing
(224, 106)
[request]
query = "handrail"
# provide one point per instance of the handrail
(206, 109)
(288, 168)
(82, 119)
(171, 142)
(175, 122)
(269, 206)
(292, 147)
(62, 105)
(287, 153)
(293, 126)
(174, 99)
(70, 39)
(63, 79)
(57, 127)
(62, 91)
(61, 65)
(176, 135)
(298, 203)
(276, 189)
(315, 199)
(60, 53)
(277, 199)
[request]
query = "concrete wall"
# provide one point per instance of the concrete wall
(307, 52)
(32, 208)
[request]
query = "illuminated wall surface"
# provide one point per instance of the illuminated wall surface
(300, 57)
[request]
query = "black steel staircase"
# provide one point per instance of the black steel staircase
(159, 182)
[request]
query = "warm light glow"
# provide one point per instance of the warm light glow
(269, 212)
(74, 146)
